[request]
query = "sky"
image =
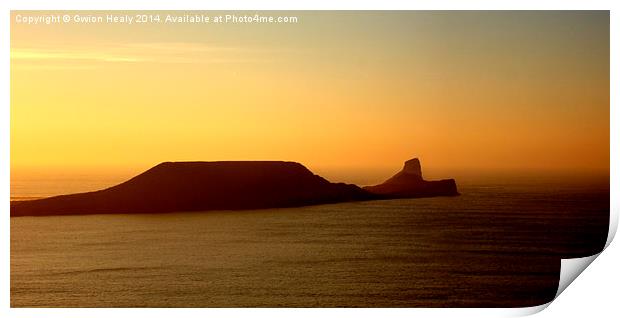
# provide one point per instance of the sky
(351, 95)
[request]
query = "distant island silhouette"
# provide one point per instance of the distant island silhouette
(230, 185)
(408, 183)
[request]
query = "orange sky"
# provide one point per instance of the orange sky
(345, 93)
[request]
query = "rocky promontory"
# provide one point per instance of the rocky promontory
(229, 185)
(408, 183)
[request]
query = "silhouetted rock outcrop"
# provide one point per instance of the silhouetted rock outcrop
(201, 186)
(229, 185)
(408, 183)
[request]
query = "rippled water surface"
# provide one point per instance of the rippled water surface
(491, 246)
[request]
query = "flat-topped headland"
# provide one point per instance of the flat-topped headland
(229, 185)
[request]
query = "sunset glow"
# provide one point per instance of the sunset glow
(467, 91)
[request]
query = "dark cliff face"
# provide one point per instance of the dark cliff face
(408, 183)
(201, 186)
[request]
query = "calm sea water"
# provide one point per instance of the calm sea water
(495, 245)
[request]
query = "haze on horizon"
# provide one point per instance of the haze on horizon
(338, 91)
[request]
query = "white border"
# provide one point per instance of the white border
(596, 291)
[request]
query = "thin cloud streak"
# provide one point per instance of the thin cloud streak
(30, 54)
(184, 53)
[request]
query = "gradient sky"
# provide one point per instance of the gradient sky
(351, 95)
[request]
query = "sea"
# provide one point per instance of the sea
(496, 245)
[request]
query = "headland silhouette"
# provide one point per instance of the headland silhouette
(230, 185)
